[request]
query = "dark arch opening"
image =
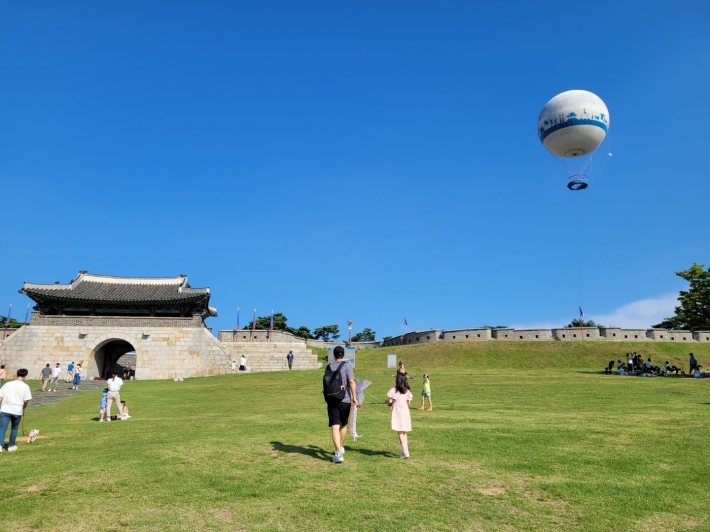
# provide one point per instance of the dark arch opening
(107, 359)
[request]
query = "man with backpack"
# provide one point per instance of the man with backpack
(339, 393)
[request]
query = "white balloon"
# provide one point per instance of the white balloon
(573, 123)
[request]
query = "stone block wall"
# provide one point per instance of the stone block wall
(680, 336)
(532, 335)
(259, 336)
(617, 334)
(702, 336)
(115, 321)
(161, 352)
(416, 337)
(271, 356)
(567, 334)
(660, 335)
(467, 335)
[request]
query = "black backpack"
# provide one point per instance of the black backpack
(333, 388)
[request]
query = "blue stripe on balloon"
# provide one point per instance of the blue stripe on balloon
(544, 133)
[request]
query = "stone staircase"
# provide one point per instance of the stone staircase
(263, 356)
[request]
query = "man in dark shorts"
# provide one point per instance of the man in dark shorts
(339, 413)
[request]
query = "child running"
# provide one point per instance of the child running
(426, 392)
(399, 398)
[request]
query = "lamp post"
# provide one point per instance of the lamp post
(350, 332)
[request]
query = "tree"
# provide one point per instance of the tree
(14, 324)
(693, 314)
(301, 332)
(493, 327)
(326, 332)
(579, 322)
(366, 335)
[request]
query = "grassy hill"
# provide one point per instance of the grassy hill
(524, 436)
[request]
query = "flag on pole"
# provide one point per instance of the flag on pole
(405, 321)
(9, 313)
(27, 314)
(581, 313)
(253, 326)
(271, 324)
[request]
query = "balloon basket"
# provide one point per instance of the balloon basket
(577, 182)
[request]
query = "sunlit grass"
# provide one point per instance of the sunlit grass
(523, 437)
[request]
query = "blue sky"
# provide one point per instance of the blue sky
(355, 160)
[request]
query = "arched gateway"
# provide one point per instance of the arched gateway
(110, 356)
(97, 319)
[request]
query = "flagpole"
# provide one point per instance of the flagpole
(236, 331)
(271, 326)
(9, 313)
(27, 314)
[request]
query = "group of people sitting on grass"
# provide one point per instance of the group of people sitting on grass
(635, 365)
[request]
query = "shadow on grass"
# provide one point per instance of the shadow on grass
(311, 450)
(321, 454)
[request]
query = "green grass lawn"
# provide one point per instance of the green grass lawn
(524, 436)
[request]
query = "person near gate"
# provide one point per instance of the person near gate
(114, 387)
(14, 397)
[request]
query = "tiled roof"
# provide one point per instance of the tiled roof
(90, 288)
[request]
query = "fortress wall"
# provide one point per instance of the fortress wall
(702, 336)
(161, 352)
(7, 332)
(617, 334)
(272, 356)
(415, 337)
(467, 335)
(567, 334)
(502, 334)
(657, 334)
(534, 335)
(680, 336)
(259, 335)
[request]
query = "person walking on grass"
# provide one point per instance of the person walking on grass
(289, 359)
(14, 397)
(426, 393)
(45, 374)
(114, 387)
(56, 372)
(70, 372)
(340, 394)
(399, 399)
(76, 377)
